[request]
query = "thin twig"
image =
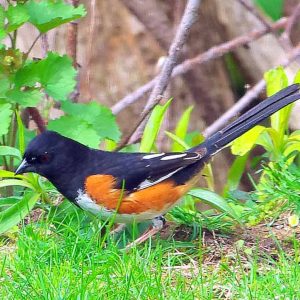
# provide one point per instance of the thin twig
(285, 43)
(188, 19)
(32, 45)
(37, 118)
(252, 9)
(72, 31)
(71, 41)
(89, 51)
(71, 48)
(293, 19)
(210, 54)
(250, 95)
(33, 111)
(286, 35)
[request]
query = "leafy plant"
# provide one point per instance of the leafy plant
(24, 82)
(274, 139)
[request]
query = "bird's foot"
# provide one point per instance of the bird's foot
(118, 228)
(157, 225)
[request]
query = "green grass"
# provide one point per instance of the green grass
(68, 262)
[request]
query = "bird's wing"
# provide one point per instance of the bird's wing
(140, 171)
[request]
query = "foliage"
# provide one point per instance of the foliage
(86, 123)
(153, 126)
(24, 82)
(51, 261)
(281, 186)
(275, 140)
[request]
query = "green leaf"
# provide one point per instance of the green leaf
(48, 14)
(99, 117)
(9, 174)
(297, 77)
(153, 126)
(28, 75)
(235, 173)
(2, 23)
(4, 87)
(9, 201)
(28, 98)
(276, 79)
(194, 138)
(13, 182)
(245, 143)
(5, 117)
(215, 201)
(16, 15)
(77, 129)
(14, 214)
(57, 75)
(21, 135)
(181, 129)
(11, 151)
(6, 174)
(178, 140)
(293, 147)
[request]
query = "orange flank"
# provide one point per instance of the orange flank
(157, 198)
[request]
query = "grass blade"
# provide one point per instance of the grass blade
(14, 214)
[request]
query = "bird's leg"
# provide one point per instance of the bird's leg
(157, 225)
(118, 228)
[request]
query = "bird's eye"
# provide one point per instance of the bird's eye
(43, 158)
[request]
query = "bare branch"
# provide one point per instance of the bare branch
(250, 95)
(188, 19)
(252, 9)
(90, 47)
(292, 20)
(285, 37)
(71, 48)
(284, 40)
(212, 53)
(37, 118)
(32, 45)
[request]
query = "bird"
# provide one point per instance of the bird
(135, 187)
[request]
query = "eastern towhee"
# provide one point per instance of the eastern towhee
(134, 186)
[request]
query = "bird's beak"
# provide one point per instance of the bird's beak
(23, 167)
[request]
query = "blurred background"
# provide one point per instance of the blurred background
(121, 45)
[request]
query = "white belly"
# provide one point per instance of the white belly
(86, 203)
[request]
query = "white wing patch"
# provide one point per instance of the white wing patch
(170, 156)
(146, 183)
(175, 156)
(150, 156)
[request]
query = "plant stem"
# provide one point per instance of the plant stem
(31, 47)
(14, 39)
(12, 138)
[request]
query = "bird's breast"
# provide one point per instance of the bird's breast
(101, 198)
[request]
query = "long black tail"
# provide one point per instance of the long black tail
(249, 119)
